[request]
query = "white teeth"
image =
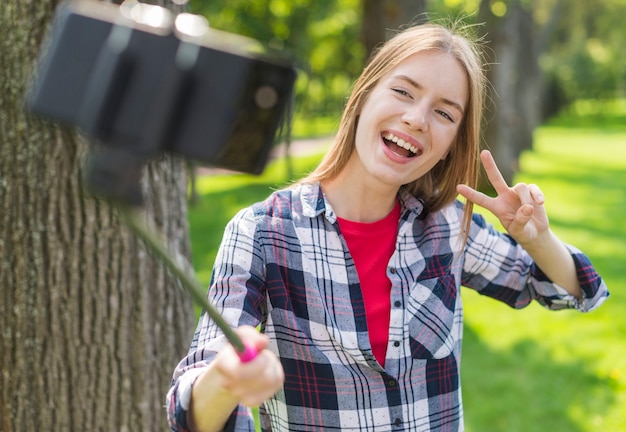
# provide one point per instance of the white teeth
(400, 142)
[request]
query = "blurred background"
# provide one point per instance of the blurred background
(556, 117)
(91, 326)
(549, 53)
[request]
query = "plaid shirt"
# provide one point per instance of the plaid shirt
(284, 265)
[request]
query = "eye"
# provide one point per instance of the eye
(445, 115)
(401, 92)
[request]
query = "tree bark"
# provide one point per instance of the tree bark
(91, 326)
(516, 98)
(502, 116)
(383, 18)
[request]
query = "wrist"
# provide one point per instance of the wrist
(542, 241)
(211, 403)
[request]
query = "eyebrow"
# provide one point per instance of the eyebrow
(446, 101)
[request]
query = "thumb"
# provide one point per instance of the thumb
(522, 217)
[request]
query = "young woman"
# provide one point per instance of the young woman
(353, 274)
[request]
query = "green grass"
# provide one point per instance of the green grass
(536, 370)
(533, 369)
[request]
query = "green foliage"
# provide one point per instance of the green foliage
(318, 126)
(606, 114)
(454, 8)
(583, 58)
(322, 35)
(586, 57)
(527, 370)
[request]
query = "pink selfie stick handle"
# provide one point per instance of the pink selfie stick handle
(248, 354)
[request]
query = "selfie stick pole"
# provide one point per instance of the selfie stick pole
(135, 222)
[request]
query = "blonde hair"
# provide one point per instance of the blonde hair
(438, 187)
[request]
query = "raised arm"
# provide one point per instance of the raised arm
(521, 211)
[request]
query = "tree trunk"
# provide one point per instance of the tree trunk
(518, 84)
(91, 326)
(383, 18)
(502, 117)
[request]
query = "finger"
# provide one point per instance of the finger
(266, 383)
(493, 173)
(521, 219)
(253, 340)
(235, 373)
(474, 196)
(536, 194)
(523, 193)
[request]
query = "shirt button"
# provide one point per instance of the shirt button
(392, 270)
(397, 303)
(397, 422)
(392, 383)
(396, 344)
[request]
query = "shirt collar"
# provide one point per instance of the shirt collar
(314, 202)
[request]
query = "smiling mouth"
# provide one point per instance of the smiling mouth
(400, 147)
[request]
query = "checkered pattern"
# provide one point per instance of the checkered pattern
(283, 265)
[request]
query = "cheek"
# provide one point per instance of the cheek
(449, 149)
(448, 141)
(366, 126)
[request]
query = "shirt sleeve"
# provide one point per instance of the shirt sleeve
(235, 292)
(179, 397)
(497, 266)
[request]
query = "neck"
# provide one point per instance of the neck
(358, 201)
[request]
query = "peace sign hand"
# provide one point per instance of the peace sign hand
(519, 208)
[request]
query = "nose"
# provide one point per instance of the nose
(416, 116)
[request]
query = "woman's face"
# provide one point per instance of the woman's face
(410, 119)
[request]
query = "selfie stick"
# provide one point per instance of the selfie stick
(138, 86)
(245, 352)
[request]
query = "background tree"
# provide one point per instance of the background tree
(91, 326)
(586, 56)
(516, 41)
(544, 53)
(383, 18)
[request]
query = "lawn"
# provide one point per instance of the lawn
(536, 370)
(533, 369)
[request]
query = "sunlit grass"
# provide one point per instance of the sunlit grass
(533, 369)
(538, 370)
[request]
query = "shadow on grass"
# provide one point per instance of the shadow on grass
(607, 250)
(524, 388)
(576, 173)
(602, 122)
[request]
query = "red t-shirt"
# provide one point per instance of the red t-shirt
(371, 246)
